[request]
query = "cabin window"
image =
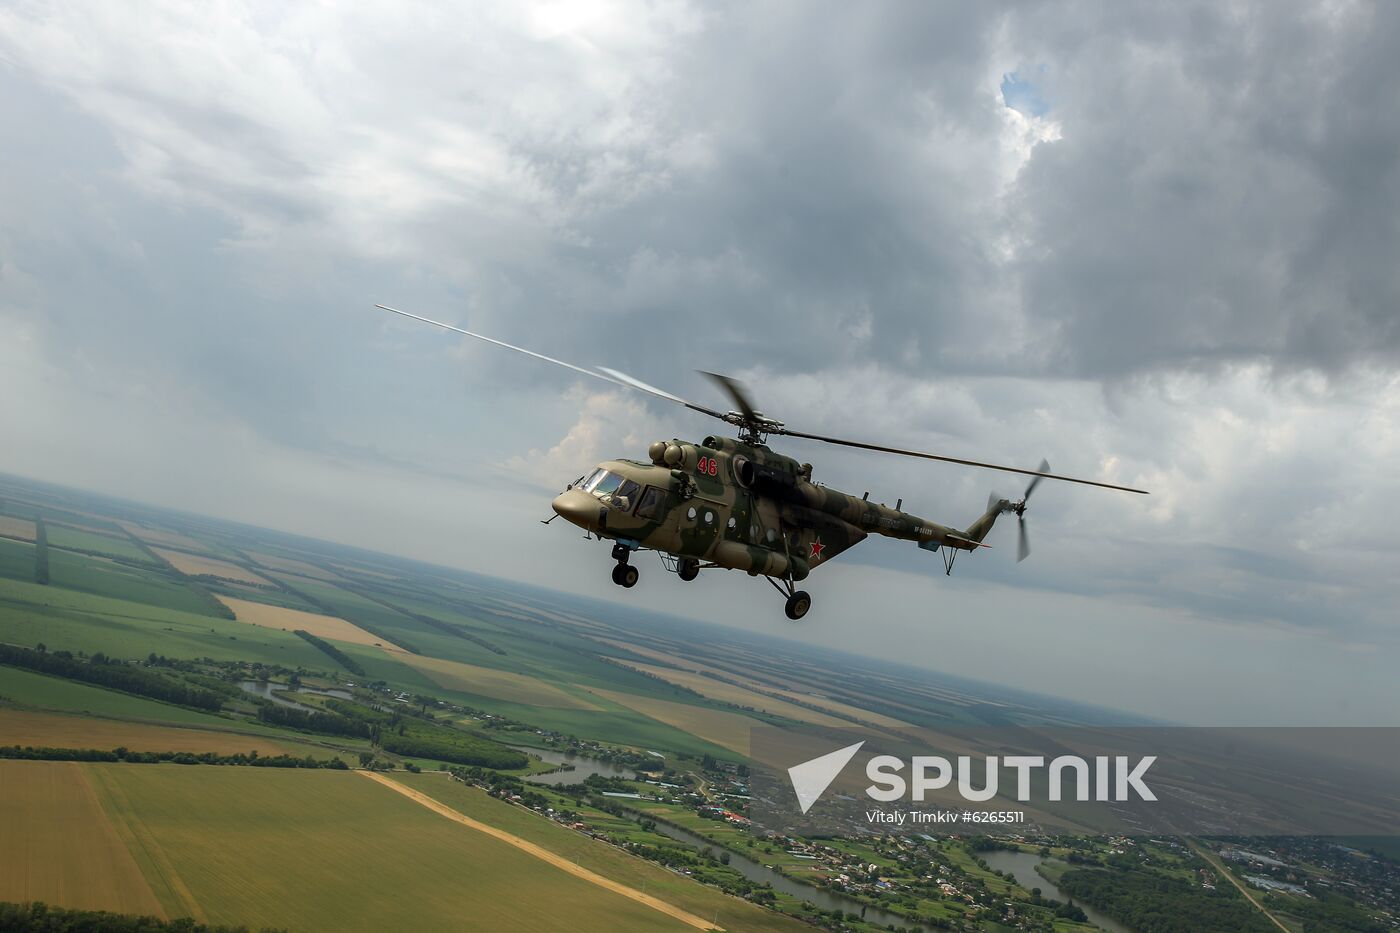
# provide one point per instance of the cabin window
(709, 518)
(652, 504)
(690, 513)
(628, 490)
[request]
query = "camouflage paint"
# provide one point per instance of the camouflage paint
(780, 524)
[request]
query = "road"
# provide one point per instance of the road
(1220, 868)
(543, 854)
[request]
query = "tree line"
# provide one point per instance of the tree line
(456, 747)
(307, 721)
(41, 551)
(38, 917)
(331, 651)
(113, 674)
(122, 754)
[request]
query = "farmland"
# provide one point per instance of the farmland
(193, 565)
(289, 620)
(238, 846)
(488, 682)
(55, 693)
(725, 729)
(21, 528)
(734, 914)
(60, 846)
(739, 696)
(60, 731)
(290, 565)
(418, 666)
(75, 539)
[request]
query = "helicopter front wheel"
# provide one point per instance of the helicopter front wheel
(688, 568)
(797, 605)
(625, 575)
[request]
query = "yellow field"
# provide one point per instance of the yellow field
(727, 730)
(739, 696)
(58, 731)
(59, 846)
(489, 682)
(329, 850)
(288, 565)
(290, 620)
(21, 528)
(192, 566)
(167, 538)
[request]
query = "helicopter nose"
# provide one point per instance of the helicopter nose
(577, 507)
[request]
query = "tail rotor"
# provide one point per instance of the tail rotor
(1023, 543)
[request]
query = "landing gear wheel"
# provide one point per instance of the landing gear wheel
(797, 605)
(625, 575)
(688, 568)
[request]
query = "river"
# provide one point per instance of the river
(583, 767)
(1021, 866)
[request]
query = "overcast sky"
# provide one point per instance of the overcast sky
(1157, 244)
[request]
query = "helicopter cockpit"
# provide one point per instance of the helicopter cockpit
(612, 489)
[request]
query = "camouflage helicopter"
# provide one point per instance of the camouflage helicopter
(736, 504)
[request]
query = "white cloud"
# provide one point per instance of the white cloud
(610, 425)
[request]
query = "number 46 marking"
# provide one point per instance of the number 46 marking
(707, 466)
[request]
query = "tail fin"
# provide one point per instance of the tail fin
(979, 529)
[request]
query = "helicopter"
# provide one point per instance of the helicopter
(734, 503)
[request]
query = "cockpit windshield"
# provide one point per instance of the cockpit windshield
(602, 483)
(614, 489)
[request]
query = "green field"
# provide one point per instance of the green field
(103, 578)
(734, 914)
(78, 621)
(332, 850)
(16, 559)
(44, 692)
(78, 540)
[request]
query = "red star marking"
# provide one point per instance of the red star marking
(817, 548)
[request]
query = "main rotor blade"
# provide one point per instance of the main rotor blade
(1040, 470)
(606, 375)
(634, 383)
(959, 460)
(736, 391)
